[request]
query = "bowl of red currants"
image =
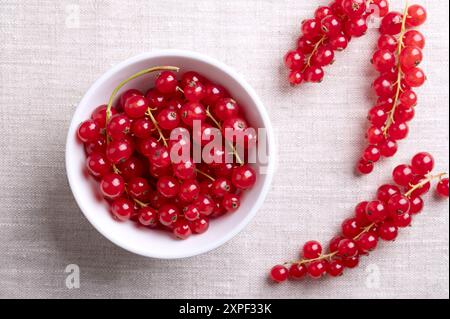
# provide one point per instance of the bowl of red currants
(170, 154)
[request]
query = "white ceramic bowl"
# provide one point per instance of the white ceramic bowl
(154, 243)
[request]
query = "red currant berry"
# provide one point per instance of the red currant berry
(98, 165)
(374, 135)
(220, 187)
(148, 216)
(417, 15)
(398, 204)
(294, 60)
(317, 269)
(231, 202)
(404, 114)
(350, 228)
(387, 42)
(382, 7)
(295, 77)
(214, 93)
(416, 205)
(166, 82)
(351, 262)
(168, 214)
(131, 168)
(408, 98)
(189, 191)
(388, 148)
(323, 56)
(142, 128)
(119, 151)
(314, 74)
(279, 273)
(312, 249)
(156, 99)
(191, 112)
(356, 27)
(310, 29)
(112, 186)
(414, 38)
(99, 115)
(194, 91)
(168, 119)
(226, 108)
(182, 230)
(378, 116)
(388, 231)
(96, 146)
(424, 185)
(118, 126)
(191, 76)
(200, 226)
(360, 214)
(138, 188)
(376, 211)
(398, 131)
(347, 248)
(354, 8)
(168, 186)
(338, 42)
(391, 23)
(159, 157)
(331, 25)
(402, 220)
(383, 60)
(442, 187)
(322, 12)
(305, 45)
(191, 213)
(205, 205)
(367, 242)
(156, 200)
(403, 175)
(335, 268)
(334, 243)
(127, 94)
(385, 192)
(365, 167)
(422, 163)
(88, 131)
(415, 77)
(122, 208)
(383, 86)
(410, 57)
(297, 271)
(372, 154)
(136, 106)
(185, 170)
(243, 177)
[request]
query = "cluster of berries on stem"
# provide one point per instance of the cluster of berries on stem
(133, 150)
(329, 31)
(393, 208)
(398, 55)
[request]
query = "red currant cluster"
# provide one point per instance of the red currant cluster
(381, 218)
(398, 55)
(129, 153)
(330, 30)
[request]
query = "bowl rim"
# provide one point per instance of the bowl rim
(270, 140)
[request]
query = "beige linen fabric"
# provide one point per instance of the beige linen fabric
(50, 53)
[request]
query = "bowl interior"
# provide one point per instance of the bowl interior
(126, 234)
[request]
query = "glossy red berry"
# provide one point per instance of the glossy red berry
(317, 269)
(417, 15)
(156, 99)
(194, 91)
(402, 220)
(139, 188)
(214, 93)
(391, 23)
(314, 74)
(422, 163)
(127, 94)
(182, 230)
(136, 106)
(311, 249)
(367, 242)
(88, 131)
(347, 248)
(404, 114)
(383, 60)
(403, 175)
(356, 27)
(98, 145)
(226, 108)
(166, 82)
(335, 268)
(279, 273)
(305, 45)
(191, 76)
(99, 115)
(168, 186)
(398, 204)
(376, 211)
(388, 231)
(159, 157)
(131, 168)
(191, 112)
(243, 177)
(360, 213)
(365, 167)
(294, 60)
(398, 131)
(374, 135)
(442, 187)
(168, 214)
(142, 128)
(372, 154)
(385, 192)
(378, 115)
(118, 126)
(351, 262)
(350, 228)
(148, 216)
(408, 98)
(338, 42)
(410, 57)
(119, 151)
(231, 202)
(98, 165)
(331, 25)
(322, 12)
(112, 185)
(416, 205)
(310, 29)
(296, 77)
(323, 56)
(424, 185)
(388, 148)
(354, 8)
(297, 271)
(205, 205)
(415, 77)
(383, 86)
(200, 225)
(387, 42)
(220, 187)
(168, 119)
(414, 38)
(189, 191)
(185, 169)
(122, 208)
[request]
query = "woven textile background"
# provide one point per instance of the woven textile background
(52, 51)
